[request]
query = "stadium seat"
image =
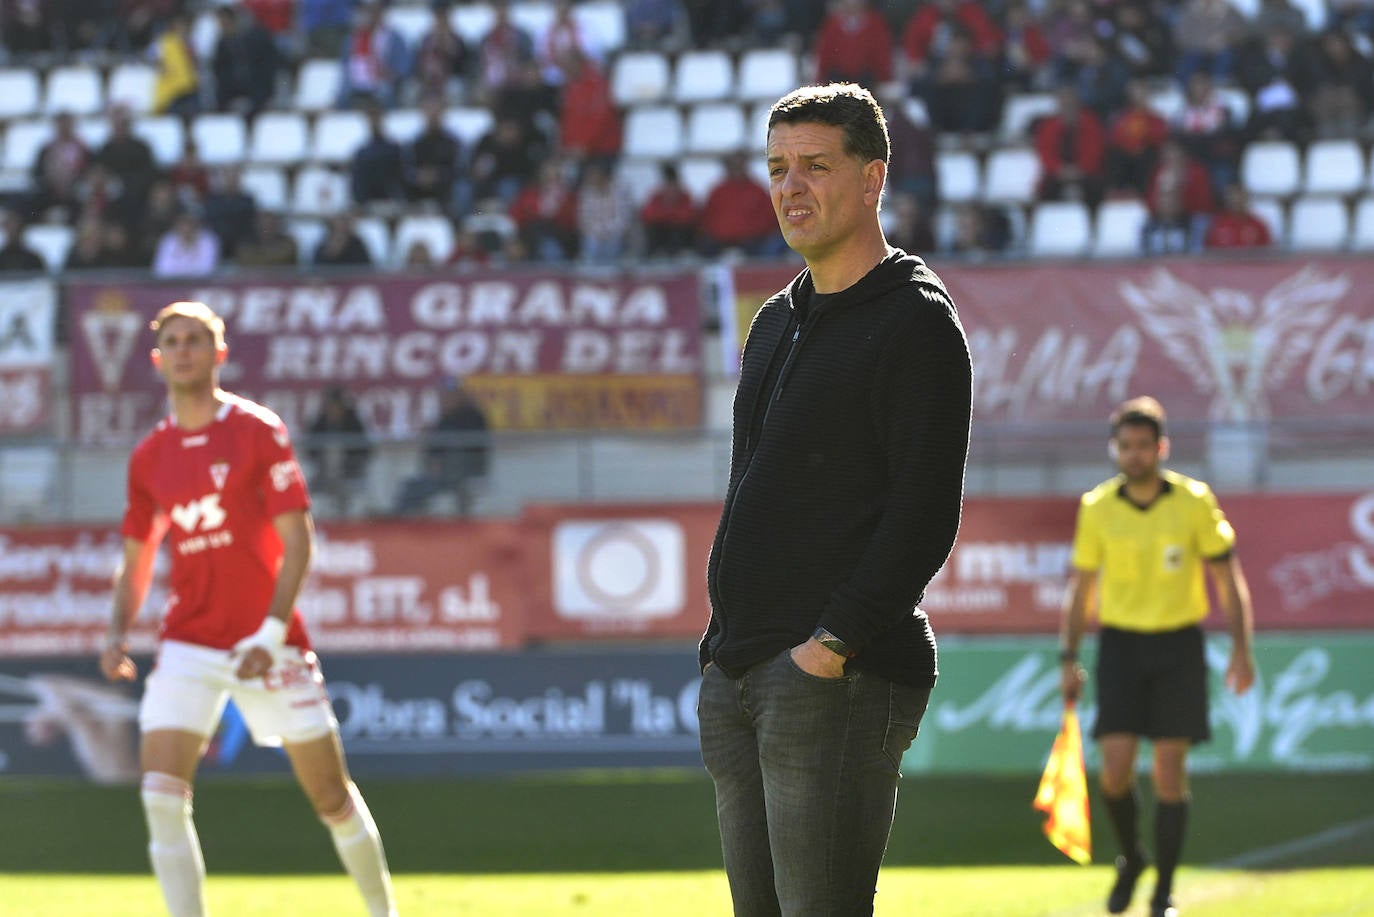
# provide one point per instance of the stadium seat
(700, 174)
(703, 76)
(1021, 111)
(653, 132)
(1269, 211)
(1237, 101)
(1270, 167)
(1059, 229)
(279, 138)
(916, 110)
(1333, 167)
(23, 140)
(469, 125)
(268, 186)
(308, 233)
(1315, 12)
(604, 21)
(79, 90)
(411, 22)
(472, 21)
(376, 235)
(1011, 174)
(51, 241)
(534, 16)
(131, 84)
(93, 131)
(1117, 231)
(318, 84)
(758, 170)
(204, 34)
(436, 232)
(499, 224)
(20, 93)
(221, 138)
(403, 124)
(1318, 224)
(1362, 237)
(958, 176)
(337, 136)
(15, 181)
(766, 74)
(638, 77)
(1168, 101)
(319, 191)
(757, 128)
(715, 128)
(639, 177)
(165, 134)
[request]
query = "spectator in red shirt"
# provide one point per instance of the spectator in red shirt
(1235, 226)
(669, 216)
(1072, 149)
(928, 30)
(1137, 132)
(545, 211)
(1179, 173)
(276, 16)
(854, 45)
(738, 214)
(1025, 50)
(589, 125)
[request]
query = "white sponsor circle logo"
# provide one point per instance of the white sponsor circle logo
(618, 568)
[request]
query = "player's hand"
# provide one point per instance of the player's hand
(255, 652)
(1071, 678)
(115, 663)
(814, 659)
(1240, 672)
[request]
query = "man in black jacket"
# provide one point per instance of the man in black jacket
(851, 426)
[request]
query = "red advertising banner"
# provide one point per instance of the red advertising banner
(639, 571)
(539, 350)
(607, 570)
(1217, 340)
(27, 321)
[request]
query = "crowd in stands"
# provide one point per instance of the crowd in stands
(545, 184)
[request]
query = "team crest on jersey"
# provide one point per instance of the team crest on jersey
(219, 471)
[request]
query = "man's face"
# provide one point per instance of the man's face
(1138, 451)
(186, 354)
(822, 196)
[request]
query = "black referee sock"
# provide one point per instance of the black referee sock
(1171, 820)
(1122, 810)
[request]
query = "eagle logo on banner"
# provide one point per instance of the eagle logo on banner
(1234, 346)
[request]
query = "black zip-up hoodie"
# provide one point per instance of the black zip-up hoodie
(851, 429)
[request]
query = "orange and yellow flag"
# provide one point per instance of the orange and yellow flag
(1063, 793)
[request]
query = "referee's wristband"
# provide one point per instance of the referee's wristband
(1068, 655)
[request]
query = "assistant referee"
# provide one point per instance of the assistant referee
(1142, 541)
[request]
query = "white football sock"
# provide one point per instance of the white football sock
(173, 846)
(360, 850)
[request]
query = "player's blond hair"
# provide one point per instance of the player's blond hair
(196, 311)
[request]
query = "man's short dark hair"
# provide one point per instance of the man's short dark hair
(847, 106)
(1140, 412)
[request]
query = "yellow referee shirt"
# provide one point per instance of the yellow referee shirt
(1149, 561)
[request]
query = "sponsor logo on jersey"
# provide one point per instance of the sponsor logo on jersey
(204, 514)
(284, 474)
(190, 442)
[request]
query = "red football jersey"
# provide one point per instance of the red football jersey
(220, 487)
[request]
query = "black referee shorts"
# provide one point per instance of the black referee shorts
(1152, 684)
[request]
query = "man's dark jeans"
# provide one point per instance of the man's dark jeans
(806, 773)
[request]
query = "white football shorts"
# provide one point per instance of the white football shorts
(189, 685)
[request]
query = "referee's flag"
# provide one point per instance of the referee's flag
(1063, 793)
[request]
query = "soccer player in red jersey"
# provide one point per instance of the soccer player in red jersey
(218, 476)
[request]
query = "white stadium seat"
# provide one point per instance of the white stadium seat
(703, 76)
(318, 84)
(337, 136)
(1021, 111)
(320, 191)
(131, 84)
(23, 140)
(958, 176)
(222, 139)
(1059, 229)
(653, 132)
(1333, 167)
(436, 232)
(715, 128)
(700, 174)
(472, 21)
(51, 241)
(93, 131)
(1117, 231)
(1270, 167)
(639, 177)
(1011, 174)
(766, 74)
(1269, 211)
(412, 23)
(279, 138)
(638, 77)
(1362, 237)
(79, 90)
(20, 93)
(165, 134)
(376, 235)
(308, 233)
(1237, 101)
(268, 186)
(1318, 224)
(604, 20)
(1168, 102)
(469, 125)
(403, 124)
(204, 34)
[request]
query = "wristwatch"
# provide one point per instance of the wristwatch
(833, 643)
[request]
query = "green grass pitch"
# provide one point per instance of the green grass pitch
(646, 844)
